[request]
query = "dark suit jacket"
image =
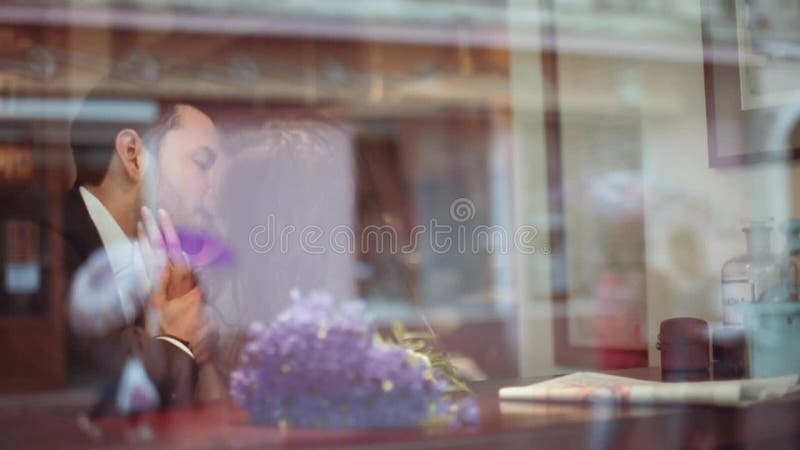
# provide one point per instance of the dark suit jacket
(172, 371)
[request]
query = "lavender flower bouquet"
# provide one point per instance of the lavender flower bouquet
(320, 365)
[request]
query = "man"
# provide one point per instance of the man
(117, 161)
(182, 189)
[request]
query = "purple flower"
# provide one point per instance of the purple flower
(319, 365)
(204, 249)
(468, 413)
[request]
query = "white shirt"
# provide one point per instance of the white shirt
(116, 244)
(121, 254)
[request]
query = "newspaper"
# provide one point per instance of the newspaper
(591, 386)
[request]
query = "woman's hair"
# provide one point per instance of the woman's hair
(289, 177)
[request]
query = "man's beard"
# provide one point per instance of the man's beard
(182, 213)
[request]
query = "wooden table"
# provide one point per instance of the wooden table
(769, 425)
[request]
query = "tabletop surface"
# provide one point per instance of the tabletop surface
(30, 422)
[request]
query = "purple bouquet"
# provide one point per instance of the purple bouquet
(320, 365)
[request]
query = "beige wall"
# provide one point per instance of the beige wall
(692, 213)
(529, 176)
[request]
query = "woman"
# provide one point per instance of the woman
(286, 192)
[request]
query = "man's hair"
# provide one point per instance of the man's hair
(93, 133)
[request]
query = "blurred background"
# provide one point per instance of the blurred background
(603, 125)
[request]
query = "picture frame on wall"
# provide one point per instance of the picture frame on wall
(751, 51)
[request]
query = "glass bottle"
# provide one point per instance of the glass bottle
(787, 291)
(793, 250)
(746, 278)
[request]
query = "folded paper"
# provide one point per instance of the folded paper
(590, 387)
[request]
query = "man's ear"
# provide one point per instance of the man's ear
(129, 148)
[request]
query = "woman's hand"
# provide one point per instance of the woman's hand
(177, 297)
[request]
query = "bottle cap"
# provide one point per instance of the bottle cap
(683, 329)
(758, 223)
